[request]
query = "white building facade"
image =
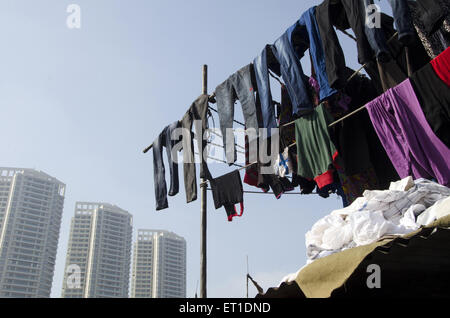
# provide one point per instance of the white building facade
(159, 265)
(99, 252)
(31, 207)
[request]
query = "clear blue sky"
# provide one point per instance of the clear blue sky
(82, 104)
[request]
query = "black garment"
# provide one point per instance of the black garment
(355, 138)
(164, 140)
(306, 186)
(431, 14)
(197, 111)
(342, 14)
(227, 191)
(434, 98)
(279, 185)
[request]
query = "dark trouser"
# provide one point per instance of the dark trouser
(328, 15)
(237, 86)
(197, 111)
(403, 22)
(434, 98)
(164, 140)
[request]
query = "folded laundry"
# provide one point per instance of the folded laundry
(396, 211)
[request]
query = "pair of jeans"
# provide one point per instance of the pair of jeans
(197, 112)
(291, 71)
(306, 31)
(164, 140)
(407, 137)
(238, 86)
(261, 68)
(403, 23)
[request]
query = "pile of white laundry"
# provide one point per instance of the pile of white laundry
(402, 209)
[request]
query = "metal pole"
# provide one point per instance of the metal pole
(203, 187)
(247, 276)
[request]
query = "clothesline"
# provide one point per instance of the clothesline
(256, 192)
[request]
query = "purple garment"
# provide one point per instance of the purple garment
(407, 137)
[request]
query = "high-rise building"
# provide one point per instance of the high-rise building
(31, 206)
(99, 252)
(159, 265)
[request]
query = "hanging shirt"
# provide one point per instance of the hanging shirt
(316, 152)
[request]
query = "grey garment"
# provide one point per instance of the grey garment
(197, 112)
(436, 42)
(164, 140)
(238, 86)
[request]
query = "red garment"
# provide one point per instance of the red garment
(441, 65)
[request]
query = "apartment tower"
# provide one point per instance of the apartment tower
(31, 206)
(159, 265)
(99, 252)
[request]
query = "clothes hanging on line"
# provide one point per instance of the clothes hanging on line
(164, 140)
(315, 151)
(228, 191)
(197, 112)
(407, 137)
(261, 68)
(403, 22)
(238, 86)
(305, 34)
(342, 14)
(434, 98)
(388, 74)
(292, 73)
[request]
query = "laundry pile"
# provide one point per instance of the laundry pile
(337, 131)
(402, 209)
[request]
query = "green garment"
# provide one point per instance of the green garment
(315, 149)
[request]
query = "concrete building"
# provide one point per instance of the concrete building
(31, 206)
(99, 252)
(159, 265)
